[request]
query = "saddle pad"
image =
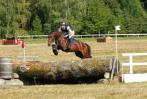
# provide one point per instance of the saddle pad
(73, 41)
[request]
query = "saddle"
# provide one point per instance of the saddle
(70, 42)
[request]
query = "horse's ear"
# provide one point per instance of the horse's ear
(49, 36)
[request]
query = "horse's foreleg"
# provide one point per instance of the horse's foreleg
(54, 49)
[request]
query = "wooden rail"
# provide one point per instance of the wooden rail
(131, 63)
(131, 77)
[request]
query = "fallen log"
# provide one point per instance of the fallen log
(87, 70)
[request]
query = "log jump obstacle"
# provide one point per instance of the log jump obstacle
(131, 77)
(87, 71)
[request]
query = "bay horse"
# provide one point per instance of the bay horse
(82, 50)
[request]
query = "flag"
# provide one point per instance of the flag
(117, 28)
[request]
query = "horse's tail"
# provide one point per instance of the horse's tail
(89, 50)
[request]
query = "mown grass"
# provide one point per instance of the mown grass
(81, 91)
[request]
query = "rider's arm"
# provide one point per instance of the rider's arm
(59, 30)
(71, 32)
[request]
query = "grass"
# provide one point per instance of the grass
(80, 91)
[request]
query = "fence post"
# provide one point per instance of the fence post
(131, 64)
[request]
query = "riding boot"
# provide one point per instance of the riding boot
(69, 43)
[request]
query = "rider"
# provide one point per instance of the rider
(67, 31)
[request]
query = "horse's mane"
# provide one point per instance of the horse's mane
(57, 34)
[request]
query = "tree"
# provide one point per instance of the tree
(97, 17)
(37, 27)
(86, 16)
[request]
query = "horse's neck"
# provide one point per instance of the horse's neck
(61, 42)
(60, 39)
(57, 35)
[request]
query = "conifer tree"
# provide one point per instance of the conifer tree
(37, 27)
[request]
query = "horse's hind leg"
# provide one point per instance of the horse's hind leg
(87, 52)
(79, 54)
(85, 55)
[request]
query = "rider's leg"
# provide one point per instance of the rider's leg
(70, 39)
(69, 42)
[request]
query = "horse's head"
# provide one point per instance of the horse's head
(50, 39)
(53, 37)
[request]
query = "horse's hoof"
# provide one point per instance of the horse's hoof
(55, 52)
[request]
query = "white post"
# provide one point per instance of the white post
(116, 49)
(131, 64)
(116, 45)
(99, 34)
(122, 72)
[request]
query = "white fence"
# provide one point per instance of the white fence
(90, 35)
(131, 77)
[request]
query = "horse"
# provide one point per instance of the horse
(82, 50)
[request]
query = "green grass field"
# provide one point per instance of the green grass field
(79, 91)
